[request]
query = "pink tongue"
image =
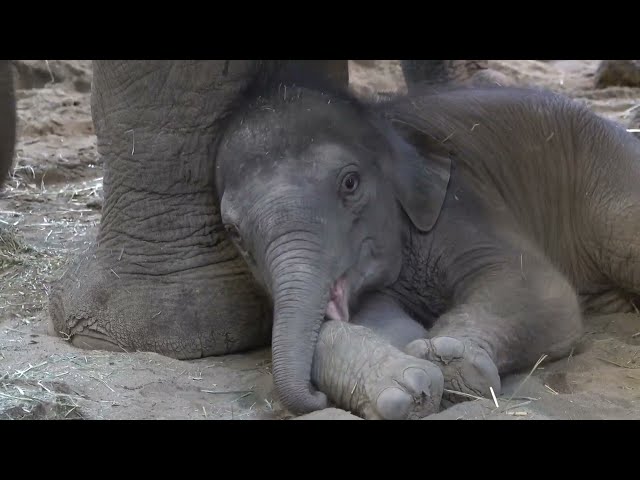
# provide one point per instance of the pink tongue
(338, 308)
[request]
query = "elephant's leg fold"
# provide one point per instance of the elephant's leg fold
(361, 372)
(504, 319)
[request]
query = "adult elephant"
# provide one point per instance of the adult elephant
(7, 119)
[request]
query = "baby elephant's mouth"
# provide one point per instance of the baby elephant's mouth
(338, 306)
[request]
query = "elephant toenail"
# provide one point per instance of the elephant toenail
(448, 349)
(417, 379)
(393, 403)
(418, 348)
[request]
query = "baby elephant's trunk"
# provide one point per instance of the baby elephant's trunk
(301, 293)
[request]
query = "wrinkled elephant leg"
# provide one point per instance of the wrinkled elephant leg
(162, 275)
(463, 72)
(361, 372)
(508, 316)
(336, 70)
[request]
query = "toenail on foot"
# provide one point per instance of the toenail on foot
(418, 348)
(417, 379)
(448, 349)
(393, 403)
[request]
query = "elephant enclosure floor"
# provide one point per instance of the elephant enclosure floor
(50, 210)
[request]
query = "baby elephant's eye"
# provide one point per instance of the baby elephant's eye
(350, 182)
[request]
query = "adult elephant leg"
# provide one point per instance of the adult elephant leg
(162, 275)
(336, 70)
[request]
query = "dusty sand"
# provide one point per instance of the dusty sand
(50, 210)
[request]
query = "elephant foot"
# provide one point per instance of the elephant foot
(100, 305)
(402, 389)
(468, 370)
(362, 373)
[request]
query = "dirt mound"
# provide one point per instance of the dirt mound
(625, 73)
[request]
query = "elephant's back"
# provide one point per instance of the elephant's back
(517, 146)
(542, 159)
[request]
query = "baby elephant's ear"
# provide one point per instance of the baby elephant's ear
(420, 174)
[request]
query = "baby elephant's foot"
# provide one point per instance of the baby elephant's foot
(362, 373)
(401, 388)
(468, 370)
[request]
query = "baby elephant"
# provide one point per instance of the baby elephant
(469, 227)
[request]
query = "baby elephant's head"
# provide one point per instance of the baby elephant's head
(315, 190)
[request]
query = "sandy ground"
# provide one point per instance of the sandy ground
(50, 210)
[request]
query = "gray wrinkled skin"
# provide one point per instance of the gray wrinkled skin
(181, 289)
(482, 214)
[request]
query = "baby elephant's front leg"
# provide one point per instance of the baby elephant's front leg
(504, 323)
(361, 372)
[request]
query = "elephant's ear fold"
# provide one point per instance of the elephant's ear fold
(420, 173)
